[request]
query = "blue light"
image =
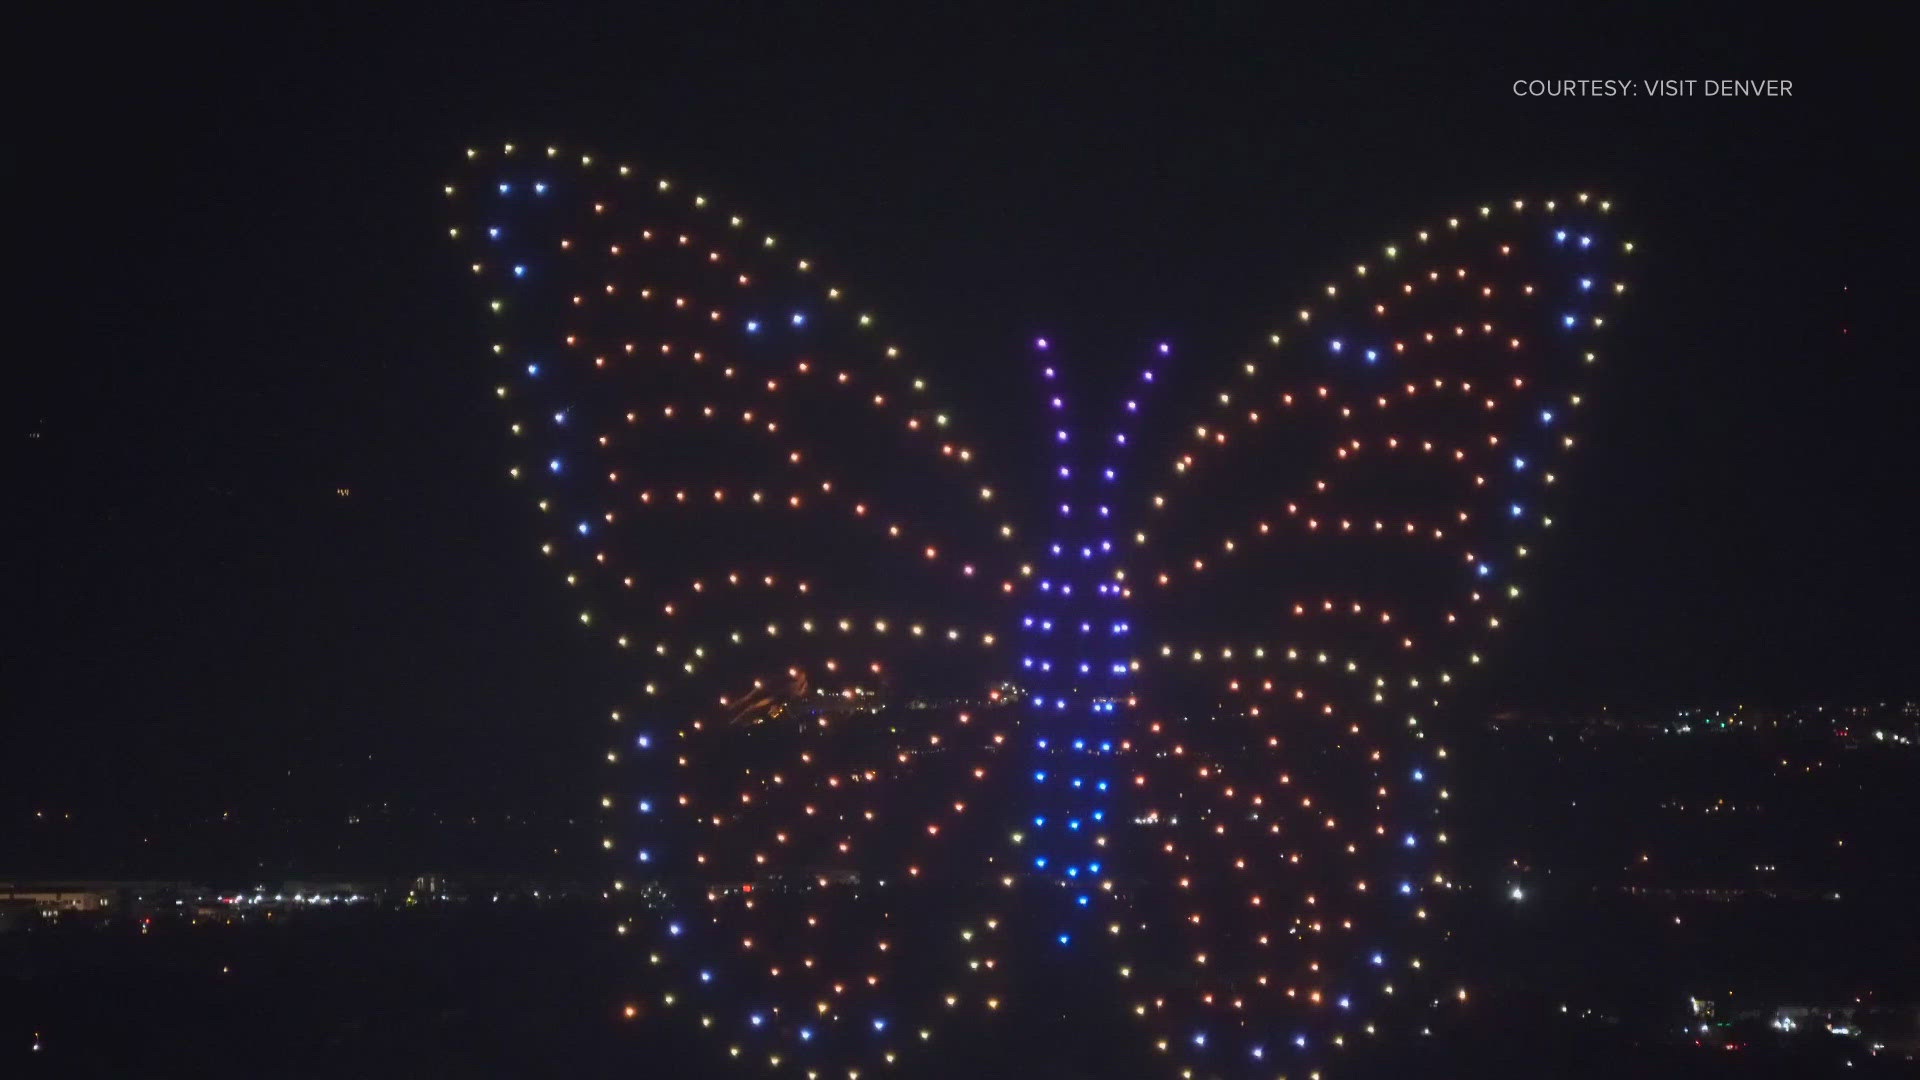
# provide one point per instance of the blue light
(1546, 416)
(554, 465)
(1336, 344)
(1378, 960)
(1411, 841)
(673, 929)
(753, 326)
(799, 318)
(1083, 900)
(1519, 463)
(583, 528)
(806, 1034)
(519, 271)
(505, 188)
(1063, 939)
(1516, 509)
(645, 855)
(1567, 320)
(643, 741)
(879, 1024)
(533, 369)
(493, 232)
(1560, 237)
(646, 807)
(1199, 1038)
(539, 187)
(755, 1019)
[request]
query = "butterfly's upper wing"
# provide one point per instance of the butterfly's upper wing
(1340, 533)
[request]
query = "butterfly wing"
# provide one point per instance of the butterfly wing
(802, 562)
(1340, 534)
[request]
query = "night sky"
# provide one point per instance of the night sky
(238, 301)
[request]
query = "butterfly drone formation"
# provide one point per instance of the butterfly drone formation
(902, 735)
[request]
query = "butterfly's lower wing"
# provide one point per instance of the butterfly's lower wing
(1340, 533)
(802, 565)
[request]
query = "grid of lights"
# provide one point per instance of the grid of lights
(761, 502)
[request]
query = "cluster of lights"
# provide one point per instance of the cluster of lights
(1205, 753)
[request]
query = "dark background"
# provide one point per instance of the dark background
(236, 298)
